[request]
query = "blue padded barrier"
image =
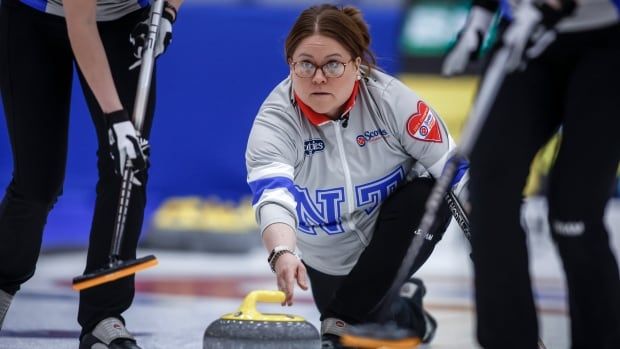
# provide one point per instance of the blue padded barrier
(223, 62)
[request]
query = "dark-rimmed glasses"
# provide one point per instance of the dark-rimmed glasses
(331, 69)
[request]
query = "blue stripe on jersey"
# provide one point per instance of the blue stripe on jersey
(259, 186)
(617, 3)
(461, 168)
(506, 10)
(40, 5)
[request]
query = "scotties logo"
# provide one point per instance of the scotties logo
(370, 136)
(313, 145)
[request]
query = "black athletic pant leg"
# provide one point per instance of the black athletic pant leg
(358, 297)
(524, 115)
(114, 298)
(35, 81)
(581, 183)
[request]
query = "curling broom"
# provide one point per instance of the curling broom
(116, 267)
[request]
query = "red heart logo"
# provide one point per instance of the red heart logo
(423, 125)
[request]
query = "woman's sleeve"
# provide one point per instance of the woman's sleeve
(271, 156)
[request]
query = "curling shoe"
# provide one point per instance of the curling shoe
(413, 292)
(110, 333)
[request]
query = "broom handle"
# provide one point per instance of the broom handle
(144, 84)
(146, 66)
(477, 116)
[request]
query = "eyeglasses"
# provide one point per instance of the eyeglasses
(331, 69)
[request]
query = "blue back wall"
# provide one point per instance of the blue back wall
(223, 62)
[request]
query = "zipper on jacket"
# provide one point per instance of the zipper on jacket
(350, 199)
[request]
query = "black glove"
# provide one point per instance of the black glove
(164, 35)
(533, 30)
(126, 148)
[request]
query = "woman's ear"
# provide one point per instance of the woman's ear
(290, 65)
(358, 63)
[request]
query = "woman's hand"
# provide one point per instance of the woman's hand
(290, 270)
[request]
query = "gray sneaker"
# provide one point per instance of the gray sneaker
(110, 333)
(331, 330)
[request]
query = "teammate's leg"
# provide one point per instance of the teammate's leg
(581, 184)
(35, 81)
(522, 118)
(112, 299)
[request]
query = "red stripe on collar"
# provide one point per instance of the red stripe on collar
(318, 119)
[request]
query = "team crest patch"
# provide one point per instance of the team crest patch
(423, 125)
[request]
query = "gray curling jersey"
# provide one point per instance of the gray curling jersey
(590, 14)
(107, 10)
(330, 177)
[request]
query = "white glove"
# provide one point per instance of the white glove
(469, 41)
(140, 32)
(126, 148)
(532, 31)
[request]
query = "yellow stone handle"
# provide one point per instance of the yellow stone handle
(248, 311)
(266, 296)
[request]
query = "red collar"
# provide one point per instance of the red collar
(318, 119)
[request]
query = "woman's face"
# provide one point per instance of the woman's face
(329, 88)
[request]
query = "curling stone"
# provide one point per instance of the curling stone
(249, 329)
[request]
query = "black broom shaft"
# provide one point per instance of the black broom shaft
(121, 215)
(459, 213)
(488, 90)
(432, 206)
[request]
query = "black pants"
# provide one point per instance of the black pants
(574, 84)
(358, 296)
(36, 65)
